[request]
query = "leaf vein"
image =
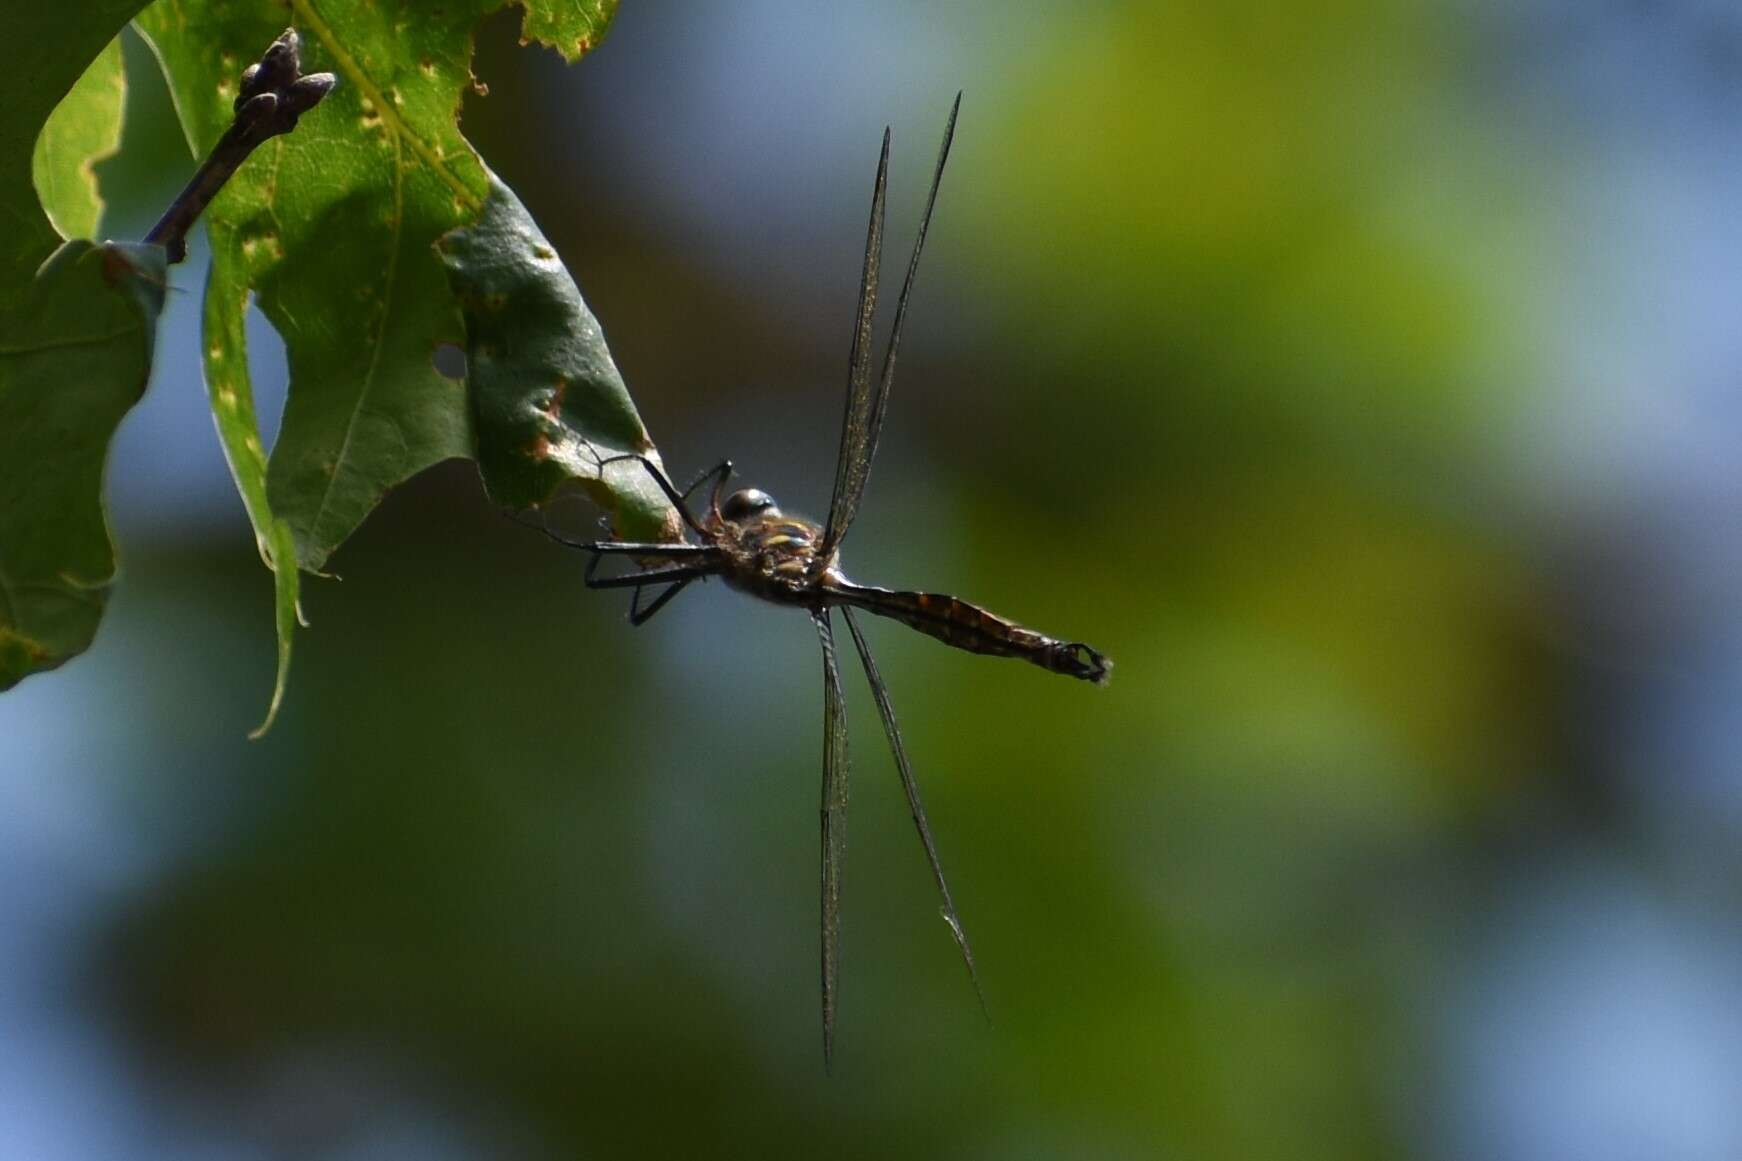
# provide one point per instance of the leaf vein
(80, 341)
(389, 114)
(340, 462)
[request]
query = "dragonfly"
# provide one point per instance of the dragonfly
(747, 541)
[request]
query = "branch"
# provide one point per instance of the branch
(274, 93)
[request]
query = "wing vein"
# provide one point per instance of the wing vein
(910, 786)
(834, 825)
(863, 424)
(856, 416)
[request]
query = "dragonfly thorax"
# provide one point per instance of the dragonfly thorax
(769, 554)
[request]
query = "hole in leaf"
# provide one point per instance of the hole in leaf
(449, 361)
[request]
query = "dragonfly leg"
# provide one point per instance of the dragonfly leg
(677, 498)
(668, 548)
(649, 576)
(719, 473)
(542, 525)
(639, 616)
(674, 549)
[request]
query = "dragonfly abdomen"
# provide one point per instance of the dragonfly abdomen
(967, 626)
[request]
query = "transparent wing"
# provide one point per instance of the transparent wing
(863, 422)
(853, 459)
(887, 712)
(834, 816)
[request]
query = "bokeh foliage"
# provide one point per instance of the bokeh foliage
(1225, 408)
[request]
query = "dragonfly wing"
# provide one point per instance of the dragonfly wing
(910, 785)
(863, 423)
(855, 420)
(834, 819)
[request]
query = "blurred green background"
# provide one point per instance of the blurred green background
(1360, 376)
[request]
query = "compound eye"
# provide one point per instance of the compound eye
(746, 502)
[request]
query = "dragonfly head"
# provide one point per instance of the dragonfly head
(748, 503)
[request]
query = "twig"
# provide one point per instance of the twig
(273, 94)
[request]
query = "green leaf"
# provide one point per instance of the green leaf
(76, 330)
(49, 46)
(84, 129)
(231, 393)
(333, 227)
(547, 399)
(74, 356)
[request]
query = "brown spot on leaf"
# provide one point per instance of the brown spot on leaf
(553, 406)
(540, 447)
(672, 529)
(116, 267)
(33, 651)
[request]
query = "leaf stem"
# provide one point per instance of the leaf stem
(273, 94)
